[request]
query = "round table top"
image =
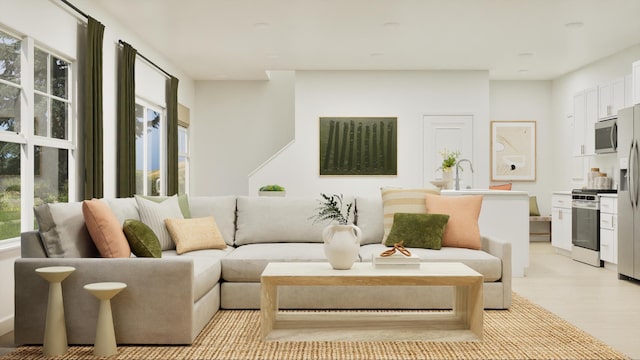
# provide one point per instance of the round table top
(55, 274)
(105, 290)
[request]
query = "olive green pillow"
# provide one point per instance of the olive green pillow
(142, 240)
(418, 230)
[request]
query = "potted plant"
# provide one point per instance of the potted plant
(272, 190)
(449, 160)
(341, 238)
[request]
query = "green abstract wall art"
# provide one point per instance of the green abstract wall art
(358, 145)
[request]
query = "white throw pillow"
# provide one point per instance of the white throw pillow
(153, 215)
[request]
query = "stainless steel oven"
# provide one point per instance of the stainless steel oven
(585, 229)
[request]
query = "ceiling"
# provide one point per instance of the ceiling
(513, 39)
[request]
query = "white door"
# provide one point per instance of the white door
(451, 132)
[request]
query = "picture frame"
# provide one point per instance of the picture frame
(358, 145)
(513, 150)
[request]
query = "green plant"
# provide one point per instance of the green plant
(449, 158)
(332, 208)
(272, 188)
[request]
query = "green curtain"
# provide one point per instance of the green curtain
(172, 136)
(92, 104)
(126, 139)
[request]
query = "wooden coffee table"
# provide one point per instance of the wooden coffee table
(463, 323)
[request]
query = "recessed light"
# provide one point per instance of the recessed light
(391, 25)
(574, 25)
(525, 54)
(261, 25)
(376, 54)
(523, 71)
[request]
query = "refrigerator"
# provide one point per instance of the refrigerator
(629, 193)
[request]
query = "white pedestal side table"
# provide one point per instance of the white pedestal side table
(105, 343)
(55, 330)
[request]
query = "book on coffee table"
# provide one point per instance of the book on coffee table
(397, 260)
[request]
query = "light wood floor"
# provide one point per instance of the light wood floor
(592, 299)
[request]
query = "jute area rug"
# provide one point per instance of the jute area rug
(526, 331)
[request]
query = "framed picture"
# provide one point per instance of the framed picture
(358, 146)
(513, 150)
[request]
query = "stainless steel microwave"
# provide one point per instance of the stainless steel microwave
(606, 136)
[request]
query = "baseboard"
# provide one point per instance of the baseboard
(6, 325)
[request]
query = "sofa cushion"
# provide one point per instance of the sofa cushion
(124, 208)
(63, 231)
(206, 268)
(153, 214)
(277, 219)
(402, 200)
(222, 208)
(142, 240)
(247, 262)
(462, 229)
(418, 230)
(369, 218)
(195, 234)
(486, 264)
(105, 229)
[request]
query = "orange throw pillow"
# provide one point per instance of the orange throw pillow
(462, 230)
(105, 229)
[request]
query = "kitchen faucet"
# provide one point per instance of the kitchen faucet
(458, 171)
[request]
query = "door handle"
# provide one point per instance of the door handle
(636, 167)
(630, 174)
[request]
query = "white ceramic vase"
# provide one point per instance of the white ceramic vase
(447, 175)
(341, 245)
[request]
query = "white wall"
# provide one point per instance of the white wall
(239, 125)
(563, 90)
(529, 100)
(405, 94)
(55, 27)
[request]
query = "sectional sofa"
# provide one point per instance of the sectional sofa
(169, 300)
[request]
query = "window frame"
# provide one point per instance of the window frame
(26, 137)
(150, 105)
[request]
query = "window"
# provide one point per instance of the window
(149, 149)
(183, 160)
(36, 138)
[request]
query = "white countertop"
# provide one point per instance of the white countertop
(564, 192)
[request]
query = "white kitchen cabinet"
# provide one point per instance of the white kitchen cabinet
(609, 229)
(635, 87)
(611, 98)
(561, 221)
(585, 115)
(628, 90)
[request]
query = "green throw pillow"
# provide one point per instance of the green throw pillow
(142, 240)
(533, 206)
(418, 230)
(183, 202)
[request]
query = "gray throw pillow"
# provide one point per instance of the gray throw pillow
(63, 231)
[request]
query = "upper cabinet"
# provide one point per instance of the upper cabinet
(585, 115)
(611, 98)
(635, 87)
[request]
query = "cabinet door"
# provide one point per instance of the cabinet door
(628, 90)
(606, 245)
(561, 228)
(579, 101)
(617, 96)
(605, 92)
(635, 73)
(591, 117)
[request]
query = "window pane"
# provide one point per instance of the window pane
(153, 152)
(58, 119)
(40, 71)
(140, 150)
(9, 58)
(51, 170)
(182, 174)
(182, 140)
(59, 75)
(9, 190)
(9, 108)
(41, 115)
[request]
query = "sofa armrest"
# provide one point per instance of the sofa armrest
(155, 308)
(502, 250)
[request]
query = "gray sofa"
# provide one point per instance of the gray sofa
(170, 300)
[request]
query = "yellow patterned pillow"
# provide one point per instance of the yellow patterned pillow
(399, 200)
(195, 234)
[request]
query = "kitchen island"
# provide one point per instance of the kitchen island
(505, 216)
